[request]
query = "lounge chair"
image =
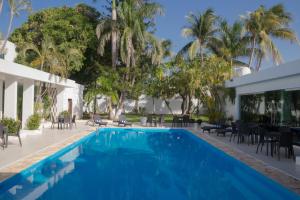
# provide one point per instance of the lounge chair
(123, 122)
(98, 120)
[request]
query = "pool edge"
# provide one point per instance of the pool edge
(277, 175)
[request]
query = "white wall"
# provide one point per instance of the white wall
(76, 94)
(159, 106)
(10, 54)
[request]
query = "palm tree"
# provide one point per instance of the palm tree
(16, 6)
(133, 37)
(231, 43)
(43, 59)
(201, 29)
(265, 24)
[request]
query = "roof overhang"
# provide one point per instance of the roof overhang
(21, 71)
(288, 70)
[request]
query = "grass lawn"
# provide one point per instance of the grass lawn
(168, 118)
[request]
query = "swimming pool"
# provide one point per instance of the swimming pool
(141, 164)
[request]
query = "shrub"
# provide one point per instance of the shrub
(215, 116)
(33, 122)
(11, 124)
(64, 113)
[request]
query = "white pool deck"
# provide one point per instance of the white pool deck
(34, 144)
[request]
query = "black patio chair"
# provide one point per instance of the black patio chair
(175, 121)
(151, 120)
(73, 121)
(264, 137)
(185, 120)
(234, 131)
(285, 141)
(67, 121)
(243, 133)
(3, 135)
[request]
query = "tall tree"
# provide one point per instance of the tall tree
(69, 29)
(202, 28)
(16, 6)
(231, 43)
(263, 25)
(135, 18)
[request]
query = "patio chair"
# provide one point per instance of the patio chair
(243, 133)
(123, 122)
(285, 141)
(67, 122)
(175, 121)
(16, 134)
(161, 120)
(234, 131)
(265, 139)
(150, 121)
(98, 120)
(185, 120)
(73, 122)
(3, 135)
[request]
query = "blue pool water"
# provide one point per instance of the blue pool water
(139, 164)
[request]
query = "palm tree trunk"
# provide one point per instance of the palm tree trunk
(252, 51)
(201, 55)
(259, 62)
(114, 36)
(168, 106)
(8, 31)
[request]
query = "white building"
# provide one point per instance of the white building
(279, 88)
(14, 76)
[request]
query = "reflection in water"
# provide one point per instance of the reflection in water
(131, 164)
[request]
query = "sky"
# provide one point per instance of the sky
(170, 24)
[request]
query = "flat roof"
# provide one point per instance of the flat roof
(21, 71)
(289, 69)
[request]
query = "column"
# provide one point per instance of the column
(60, 104)
(1, 98)
(10, 97)
(237, 107)
(28, 100)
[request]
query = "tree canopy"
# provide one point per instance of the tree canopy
(69, 29)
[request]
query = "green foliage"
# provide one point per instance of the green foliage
(33, 122)
(69, 29)
(65, 113)
(11, 124)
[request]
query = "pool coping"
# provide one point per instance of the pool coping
(273, 173)
(21, 164)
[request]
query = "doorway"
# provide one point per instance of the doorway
(70, 106)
